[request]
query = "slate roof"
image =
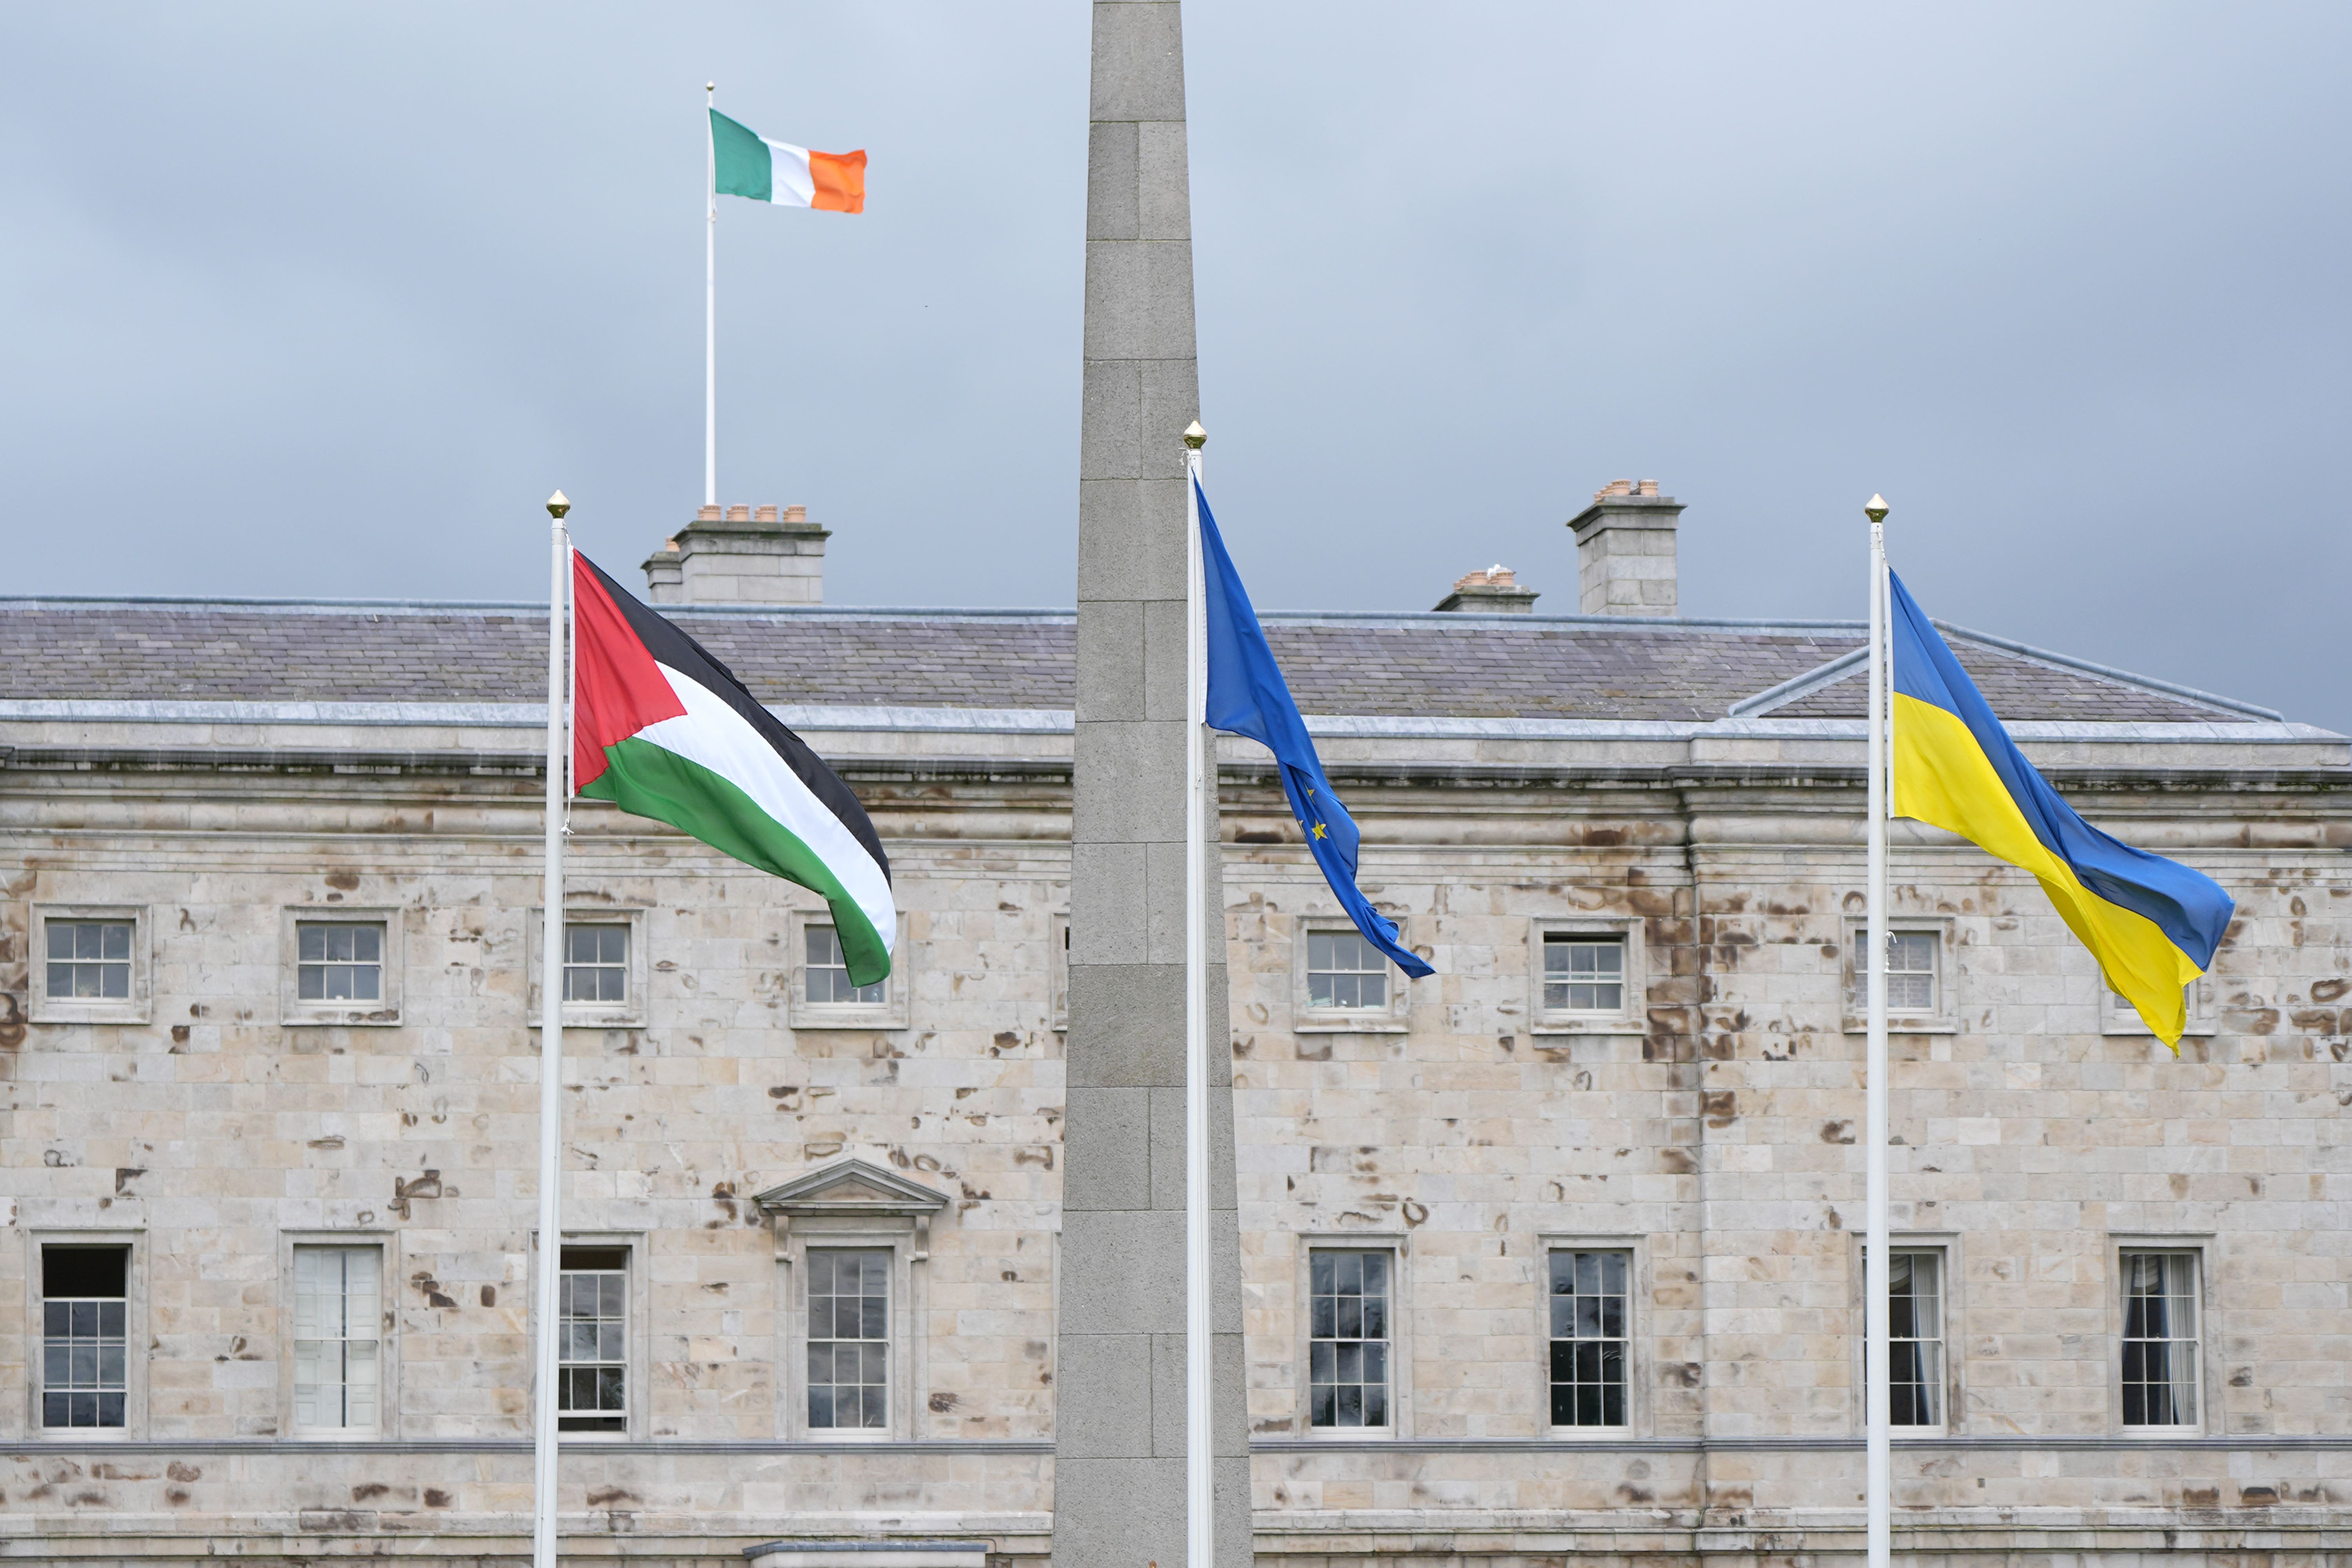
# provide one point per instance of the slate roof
(1401, 666)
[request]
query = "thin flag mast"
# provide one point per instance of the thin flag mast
(550, 1051)
(1877, 1394)
(710, 306)
(1200, 1531)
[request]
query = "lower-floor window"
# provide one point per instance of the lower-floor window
(2159, 1339)
(338, 1337)
(849, 1339)
(1347, 1344)
(592, 1390)
(85, 1336)
(1589, 1337)
(1915, 1375)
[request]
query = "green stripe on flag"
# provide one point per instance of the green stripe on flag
(648, 779)
(746, 167)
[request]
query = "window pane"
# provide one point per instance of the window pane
(1345, 971)
(848, 1349)
(1348, 1351)
(2160, 1348)
(1588, 1312)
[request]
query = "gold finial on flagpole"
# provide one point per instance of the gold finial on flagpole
(1876, 509)
(557, 505)
(1194, 437)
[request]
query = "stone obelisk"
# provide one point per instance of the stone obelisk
(1119, 1427)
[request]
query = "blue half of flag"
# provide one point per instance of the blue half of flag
(1247, 696)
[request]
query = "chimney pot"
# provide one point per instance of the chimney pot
(741, 556)
(1625, 551)
(1493, 592)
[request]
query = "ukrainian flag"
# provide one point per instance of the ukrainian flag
(2152, 924)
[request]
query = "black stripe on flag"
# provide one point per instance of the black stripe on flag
(672, 647)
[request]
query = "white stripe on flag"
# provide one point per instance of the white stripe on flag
(714, 735)
(790, 183)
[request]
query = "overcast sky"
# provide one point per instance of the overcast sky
(323, 300)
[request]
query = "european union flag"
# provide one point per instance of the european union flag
(1247, 696)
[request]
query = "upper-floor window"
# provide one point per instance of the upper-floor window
(85, 1336)
(596, 962)
(828, 973)
(592, 1391)
(90, 960)
(1344, 971)
(1914, 1299)
(338, 1337)
(1911, 971)
(1583, 972)
(1590, 1337)
(849, 1339)
(338, 960)
(1349, 1333)
(2160, 1339)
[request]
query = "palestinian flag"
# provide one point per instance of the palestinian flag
(662, 730)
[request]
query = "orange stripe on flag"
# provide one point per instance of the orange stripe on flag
(840, 181)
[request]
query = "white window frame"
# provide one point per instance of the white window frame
(1632, 1018)
(890, 1012)
(1637, 1358)
(638, 1385)
(1391, 1018)
(136, 1008)
(1944, 1018)
(1059, 960)
(381, 1243)
(1947, 1245)
(628, 1014)
(2117, 1017)
(849, 1204)
(293, 1012)
(134, 1403)
(1396, 1244)
(2200, 1249)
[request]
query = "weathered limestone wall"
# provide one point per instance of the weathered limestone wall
(1714, 1141)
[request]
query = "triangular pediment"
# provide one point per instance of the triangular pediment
(851, 1186)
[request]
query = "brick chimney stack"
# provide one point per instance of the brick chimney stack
(740, 555)
(1493, 592)
(1625, 551)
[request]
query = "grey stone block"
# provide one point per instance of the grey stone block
(1113, 656)
(1120, 1513)
(1127, 1026)
(1109, 904)
(1168, 1405)
(1110, 425)
(1107, 1150)
(1161, 676)
(1122, 1273)
(1138, 300)
(1229, 1396)
(1229, 1492)
(1168, 1147)
(1130, 782)
(1111, 184)
(1137, 71)
(1163, 925)
(1130, 539)
(1168, 395)
(1163, 184)
(1109, 1406)
(1225, 1262)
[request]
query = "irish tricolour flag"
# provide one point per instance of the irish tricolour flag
(746, 164)
(663, 729)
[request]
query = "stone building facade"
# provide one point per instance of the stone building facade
(1552, 1254)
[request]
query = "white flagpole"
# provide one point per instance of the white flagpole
(550, 1053)
(1200, 1534)
(1877, 1395)
(710, 309)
